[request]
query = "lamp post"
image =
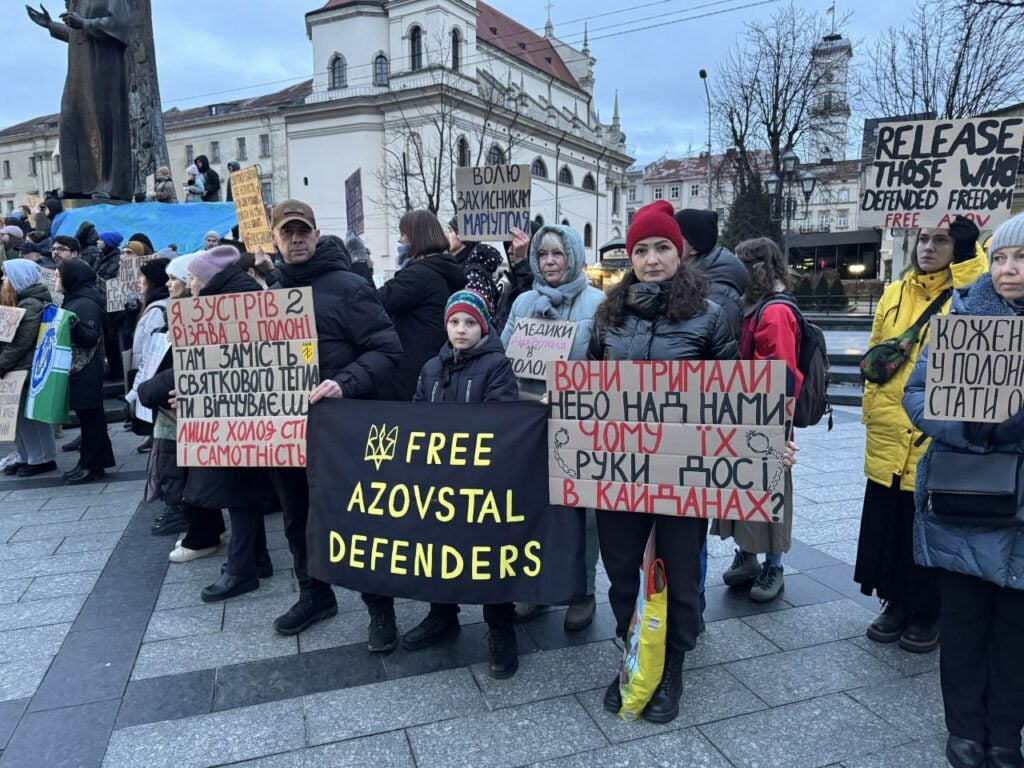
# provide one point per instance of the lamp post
(707, 93)
(774, 186)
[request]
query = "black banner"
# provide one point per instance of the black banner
(445, 502)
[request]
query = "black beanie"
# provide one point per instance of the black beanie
(155, 270)
(699, 228)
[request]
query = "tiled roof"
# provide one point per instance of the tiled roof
(332, 4)
(293, 94)
(494, 27)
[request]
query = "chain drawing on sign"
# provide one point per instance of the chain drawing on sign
(764, 448)
(562, 440)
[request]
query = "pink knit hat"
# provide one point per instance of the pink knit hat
(206, 264)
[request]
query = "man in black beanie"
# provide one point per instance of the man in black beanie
(729, 278)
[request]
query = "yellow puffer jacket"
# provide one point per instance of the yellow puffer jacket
(891, 439)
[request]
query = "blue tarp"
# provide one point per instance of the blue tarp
(184, 224)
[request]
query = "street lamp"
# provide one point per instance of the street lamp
(774, 185)
(707, 93)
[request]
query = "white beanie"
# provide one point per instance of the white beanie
(178, 268)
(1009, 234)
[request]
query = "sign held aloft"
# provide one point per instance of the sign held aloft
(975, 368)
(537, 341)
(244, 366)
(925, 173)
(685, 438)
(490, 200)
(354, 202)
(10, 319)
(247, 193)
(126, 282)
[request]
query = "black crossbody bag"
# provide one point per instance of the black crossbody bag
(976, 488)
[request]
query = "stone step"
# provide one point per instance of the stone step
(841, 395)
(844, 374)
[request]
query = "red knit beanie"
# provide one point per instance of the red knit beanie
(654, 220)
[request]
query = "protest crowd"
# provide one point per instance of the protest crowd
(437, 336)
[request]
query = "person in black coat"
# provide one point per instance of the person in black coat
(658, 311)
(89, 240)
(211, 180)
(416, 296)
(243, 491)
(471, 368)
(359, 350)
(729, 278)
(77, 281)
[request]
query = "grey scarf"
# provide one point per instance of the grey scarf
(551, 298)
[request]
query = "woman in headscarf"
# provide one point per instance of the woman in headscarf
(37, 451)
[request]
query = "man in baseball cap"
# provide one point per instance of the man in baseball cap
(359, 351)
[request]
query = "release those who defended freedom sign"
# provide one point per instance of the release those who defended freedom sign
(685, 438)
(439, 502)
(244, 366)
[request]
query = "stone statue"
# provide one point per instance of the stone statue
(95, 139)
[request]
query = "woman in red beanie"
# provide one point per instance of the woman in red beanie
(658, 311)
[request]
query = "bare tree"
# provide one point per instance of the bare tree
(765, 92)
(423, 148)
(954, 59)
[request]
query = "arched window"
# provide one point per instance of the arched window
(416, 48)
(456, 50)
(565, 223)
(565, 175)
(380, 70)
(588, 183)
(495, 155)
(463, 158)
(338, 72)
(538, 169)
(588, 236)
(539, 219)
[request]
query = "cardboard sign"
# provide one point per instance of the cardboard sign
(48, 277)
(490, 200)
(157, 347)
(244, 365)
(354, 202)
(126, 282)
(975, 368)
(685, 438)
(247, 193)
(151, 186)
(11, 387)
(10, 319)
(536, 342)
(422, 501)
(925, 173)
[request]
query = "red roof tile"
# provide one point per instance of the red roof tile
(494, 27)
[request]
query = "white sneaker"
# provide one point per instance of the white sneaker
(182, 554)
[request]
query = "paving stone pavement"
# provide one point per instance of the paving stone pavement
(109, 658)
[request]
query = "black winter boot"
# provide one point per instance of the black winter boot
(383, 634)
(503, 652)
(664, 704)
(1004, 757)
(306, 612)
(613, 697)
(964, 753)
(888, 627)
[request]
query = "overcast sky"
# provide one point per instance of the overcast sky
(219, 50)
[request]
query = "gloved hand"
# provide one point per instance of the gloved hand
(965, 236)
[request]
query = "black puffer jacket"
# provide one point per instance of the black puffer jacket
(108, 265)
(729, 281)
(479, 375)
(16, 355)
(220, 487)
(415, 299)
(82, 298)
(647, 334)
(165, 479)
(359, 347)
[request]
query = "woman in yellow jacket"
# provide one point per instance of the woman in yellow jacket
(943, 259)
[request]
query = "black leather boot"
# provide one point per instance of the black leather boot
(1004, 757)
(920, 636)
(613, 697)
(964, 753)
(664, 704)
(888, 627)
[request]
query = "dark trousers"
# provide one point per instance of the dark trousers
(248, 545)
(623, 536)
(885, 552)
(497, 615)
(982, 629)
(205, 527)
(112, 348)
(293, 493)
(96, 452)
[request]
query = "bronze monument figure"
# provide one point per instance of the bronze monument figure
(95, 137)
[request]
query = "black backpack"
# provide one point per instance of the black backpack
(812, 403)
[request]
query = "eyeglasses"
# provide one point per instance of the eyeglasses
(60, 249)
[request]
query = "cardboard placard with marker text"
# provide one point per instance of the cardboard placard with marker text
(11, 387)
(244, 366)
(126, 282)
(975, 368)
(247, 193)
(10, 319)
(925, 173)
(490, 200)
(686, 438)
(537, 341)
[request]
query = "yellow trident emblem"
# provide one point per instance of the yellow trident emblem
(381, 444)
(308, 350)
